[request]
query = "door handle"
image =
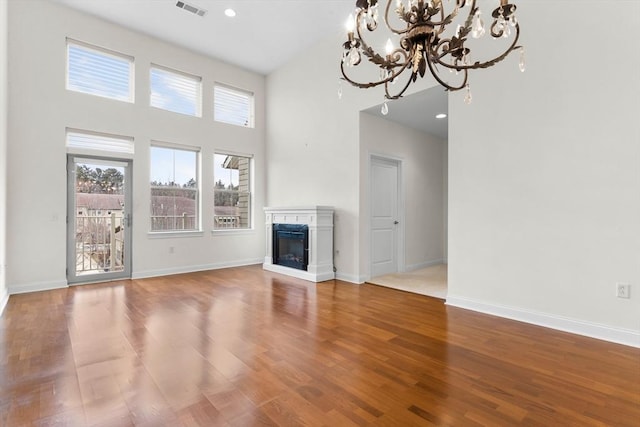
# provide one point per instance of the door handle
(396, 222)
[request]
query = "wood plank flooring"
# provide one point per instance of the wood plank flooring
(244, 347)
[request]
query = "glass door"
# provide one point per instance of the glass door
(98, 219)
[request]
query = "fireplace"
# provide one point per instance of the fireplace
(299, 242)
(291, 245)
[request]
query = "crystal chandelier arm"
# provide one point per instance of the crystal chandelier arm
(449, 18)
(370, 26)
(391, 77)
(400, 92)
(436, 76)
(454, 44)
(357, 84)
(393, 60)
(485, 64)
(374, 57)
(386, 19)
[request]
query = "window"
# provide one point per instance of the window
(84, 140)
(233, 106)
(174, 189)
(175, 91)
(99, 72)
(232, 191)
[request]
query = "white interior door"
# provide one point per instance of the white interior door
(384, 216)
(98, 219)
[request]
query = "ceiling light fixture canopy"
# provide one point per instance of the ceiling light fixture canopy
(423, 44)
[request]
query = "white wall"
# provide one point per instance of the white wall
(544, 178)
(313, 148)
(3, 150)
(423, 173)
(40, 109)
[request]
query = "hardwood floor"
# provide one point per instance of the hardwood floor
(244, 347)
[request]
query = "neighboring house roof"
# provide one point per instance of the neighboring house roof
(105, 202)
(231, 162)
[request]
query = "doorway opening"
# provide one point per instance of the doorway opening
(412, 135)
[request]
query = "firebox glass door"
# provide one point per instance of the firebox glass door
(291, 245)
(98, 219)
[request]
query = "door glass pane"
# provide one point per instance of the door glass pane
(99, 218)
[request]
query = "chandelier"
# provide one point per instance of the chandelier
(423, 44)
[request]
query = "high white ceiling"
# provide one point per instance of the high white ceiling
(264, 35)
(418, 111)
(261, 37)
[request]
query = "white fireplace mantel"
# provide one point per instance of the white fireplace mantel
(319, 219)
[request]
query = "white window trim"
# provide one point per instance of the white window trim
(107, 52)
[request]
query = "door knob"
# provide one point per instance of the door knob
(396, 222)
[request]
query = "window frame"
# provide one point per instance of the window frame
(106, 52)
(194, 77)
(250, 193)
(198, 199)
(252, 105)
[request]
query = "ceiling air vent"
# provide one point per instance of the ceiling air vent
(191, 8)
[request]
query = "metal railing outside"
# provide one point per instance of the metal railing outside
(99, 243)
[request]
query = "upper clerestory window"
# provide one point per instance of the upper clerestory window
(98, 71)
(176, 91)
(233, 106)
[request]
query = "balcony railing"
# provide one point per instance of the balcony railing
(99, 243)
(173, 223)
(226, 221)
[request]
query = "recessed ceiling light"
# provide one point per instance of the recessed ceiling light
(230, 12)
(441, 116)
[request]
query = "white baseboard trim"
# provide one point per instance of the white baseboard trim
(350, 278)
(37, 287)
(193, 268)
(593, 330)
(4, 299)
(413, 267)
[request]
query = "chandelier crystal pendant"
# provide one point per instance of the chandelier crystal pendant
(427, 42)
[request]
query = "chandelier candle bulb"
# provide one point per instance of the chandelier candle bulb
(429, 38)
(389, 48)
(350, 25)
